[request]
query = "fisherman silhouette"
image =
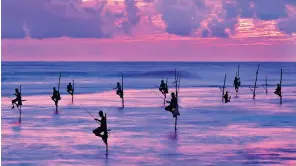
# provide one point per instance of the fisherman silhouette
(278, 90)
(163, 88)
(55, 96)
(18, 100)
(70, 88)
(226, 98)
(173, 104)
(236, 83)
(102, 128)
(119, 90)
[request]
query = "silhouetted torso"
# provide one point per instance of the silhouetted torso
(236, 82)
(162, 86)
(173, 102)
(69, 87)
(18, 95)
(55, 94)
(226, 98)
(278, 90)
(103, 122)
(118, 87)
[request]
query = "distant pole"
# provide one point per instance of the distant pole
(107, 149)
(236, 75)
(238, 79)
(266, 90)
(59, 82)
(254, 92)
(223, 90)
(73, 93)
(166, 82)
(176, 119)
(254, 89)
(20, 104)
(122, 99)
(281, 86)
(176, 83)
(238, 71)
(106, 132)
(58, 92)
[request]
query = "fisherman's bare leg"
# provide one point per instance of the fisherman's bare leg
(13, 102)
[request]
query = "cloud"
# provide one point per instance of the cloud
(57, 18)
(48, 19)
(133, 16)
(181, 19)
(12, 22)
(202, 18)
(287, 26)
(223, 21)
(270, 9)
(221, 29)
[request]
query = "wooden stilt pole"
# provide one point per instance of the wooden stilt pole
(107, 136)
(266, 88)
(238, 79)
(255, 86)
(254, 93)
(238, 71)
(122, 99)
(58, 92)
(166, 82)
(281, 96)
(73, 93)
(176, 82)
(177, 86)
(176, 119)
(20, 109)
(223, 88)
(107, 149)
(235, 85)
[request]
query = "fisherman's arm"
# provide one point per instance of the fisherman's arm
(97, 120)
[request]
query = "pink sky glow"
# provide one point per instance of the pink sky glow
(142, 30)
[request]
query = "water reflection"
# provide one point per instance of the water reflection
(209, 132)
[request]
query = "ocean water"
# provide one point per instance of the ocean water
(210, 132)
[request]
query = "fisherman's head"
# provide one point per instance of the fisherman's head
(226, 92)
(54, 88)
(118, 83)
(16, 89)
(162, 81)
(101, 113)
(69, 83)
(278, 84)
(173, 94)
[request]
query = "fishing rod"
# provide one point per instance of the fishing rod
(156, 86)
(110, 82)
(88, 113)
(157, 94)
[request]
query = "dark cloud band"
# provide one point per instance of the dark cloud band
(57, 18)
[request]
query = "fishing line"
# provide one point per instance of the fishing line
(157, 94)
(87, 111)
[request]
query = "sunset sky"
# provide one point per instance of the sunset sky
(148, 30)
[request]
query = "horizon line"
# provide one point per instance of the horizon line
(161, 61)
